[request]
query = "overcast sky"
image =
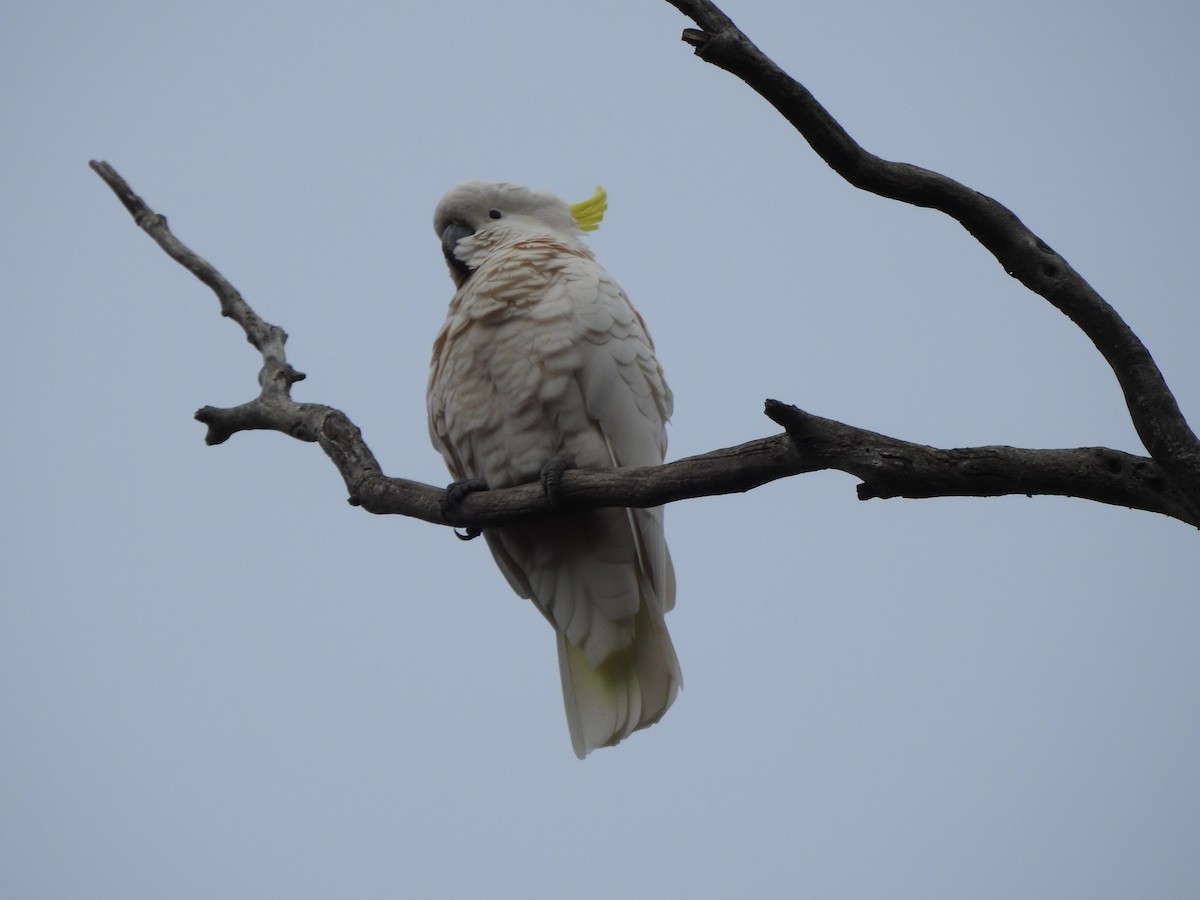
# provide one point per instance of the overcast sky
(219, 680)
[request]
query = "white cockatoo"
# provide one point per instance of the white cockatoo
(542, 362)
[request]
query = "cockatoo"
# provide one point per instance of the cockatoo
(542, 362)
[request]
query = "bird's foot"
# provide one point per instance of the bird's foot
(453, 497)
(551, 475)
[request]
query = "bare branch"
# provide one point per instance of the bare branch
(887, 467)
(1152, 407)
(893, 468)
(266, 338)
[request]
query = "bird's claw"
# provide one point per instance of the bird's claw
(453, 497)
(551, 476)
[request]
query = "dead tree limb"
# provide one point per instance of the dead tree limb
(1155, 414)
(1167, 483)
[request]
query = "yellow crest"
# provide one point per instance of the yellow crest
(588, 213)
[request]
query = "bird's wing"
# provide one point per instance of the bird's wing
(627, 397)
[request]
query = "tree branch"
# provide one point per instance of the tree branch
(1168, 484)
(1152, 407)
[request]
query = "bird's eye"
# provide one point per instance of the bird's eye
(494, 213)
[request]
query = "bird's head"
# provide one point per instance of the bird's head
(476, 217)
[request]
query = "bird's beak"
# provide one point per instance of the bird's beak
(451, 235)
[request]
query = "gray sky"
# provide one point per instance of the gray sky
(217, 679)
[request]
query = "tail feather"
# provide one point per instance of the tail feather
(631, 689)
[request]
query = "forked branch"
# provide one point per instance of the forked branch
(1152, 407)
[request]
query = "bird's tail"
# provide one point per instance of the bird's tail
(631, 689)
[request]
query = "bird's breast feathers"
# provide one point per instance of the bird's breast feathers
(541, 353)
